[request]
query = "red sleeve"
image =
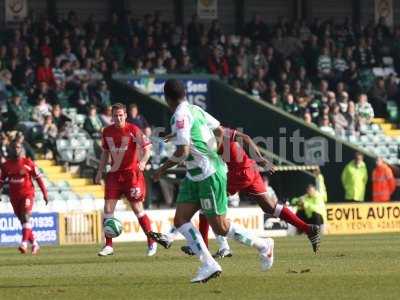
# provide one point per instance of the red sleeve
(3, 175)
(35, 172)
(104, 143)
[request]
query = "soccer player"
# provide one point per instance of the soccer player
(19, 171)
(129, 150)
(204, 186)
(244, 176)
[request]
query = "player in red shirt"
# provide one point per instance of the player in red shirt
(244, 176)
(19, 171)
(129, 150)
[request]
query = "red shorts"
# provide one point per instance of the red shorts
(129, 183)
(248, 181)
(22, 206)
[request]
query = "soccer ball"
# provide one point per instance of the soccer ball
(112, 228)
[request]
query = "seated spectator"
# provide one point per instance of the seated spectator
(311, 206)
(159, 68)
(106, 116)
(49, 135)
(29, 152)
(41, 109)
(93, 124)
(326, 126)
(186, 67)
(324, 64)
(339, 121)
(81, 98)
(139, 120)
(289, 105)
(238, 80)
(101, 97)
(58, 117)
(217, 64)
(351, 117)
(45, 72)
(4, 146)
(17, 112)
(364, 111)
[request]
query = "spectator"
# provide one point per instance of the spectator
(139, 120)
(29, 152)
(17, 112)
(383, 182)
(238, 79)
(311, 206)
(81, 98)
(326, 126)
(379, 97)
(354, 179)
(217, 64)
(106, 116)
(4, 146)
(101, 96)
(45, 72)
(351, 117)
(339, 121)
(41, 109)
(364, 111)
(49, 135)
(324, 64)
(58, 117)
(93, 124)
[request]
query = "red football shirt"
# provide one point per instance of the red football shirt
(19, 174)
(123, 144)
(236, 158)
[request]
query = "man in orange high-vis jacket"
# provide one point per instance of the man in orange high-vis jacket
(383, 182)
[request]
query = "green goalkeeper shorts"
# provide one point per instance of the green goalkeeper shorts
(210, 193)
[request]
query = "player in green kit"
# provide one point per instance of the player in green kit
(204, 186)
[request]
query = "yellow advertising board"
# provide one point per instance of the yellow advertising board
(354, 218)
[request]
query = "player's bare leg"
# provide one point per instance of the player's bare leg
(182, 221)
(109, 207)
(271, 206)
(145, 223)
(221, 226)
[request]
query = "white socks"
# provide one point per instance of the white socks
(173, 234)
(239, 234)
(222, 242)
(277, 210)
(196, 243)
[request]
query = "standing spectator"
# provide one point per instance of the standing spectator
(49, 135)
(354, 179)
(379, 97)
(351, 117)
(383, 182)
(324, 64)
(364, 111)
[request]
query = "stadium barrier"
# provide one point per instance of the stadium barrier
(80, 228)
(45, 228)
(354, 218)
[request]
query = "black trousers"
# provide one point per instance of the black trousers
(314, 219)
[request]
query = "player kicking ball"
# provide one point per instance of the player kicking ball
(204, 186)
(129, 150)
(19, 171)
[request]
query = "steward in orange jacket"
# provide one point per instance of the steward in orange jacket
(383, 182)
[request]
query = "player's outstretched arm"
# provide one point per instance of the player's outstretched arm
(105, 156)
(254, 151)
(180, 154)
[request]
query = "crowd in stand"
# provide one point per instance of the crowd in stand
(326, 72)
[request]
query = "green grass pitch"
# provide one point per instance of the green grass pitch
(348, 267)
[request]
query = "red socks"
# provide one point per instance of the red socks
(287, 215)
(203, 228)
(27, 234)
(145, 223)
(109, 242)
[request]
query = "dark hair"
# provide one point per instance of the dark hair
(133, 105)
(174, 89)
